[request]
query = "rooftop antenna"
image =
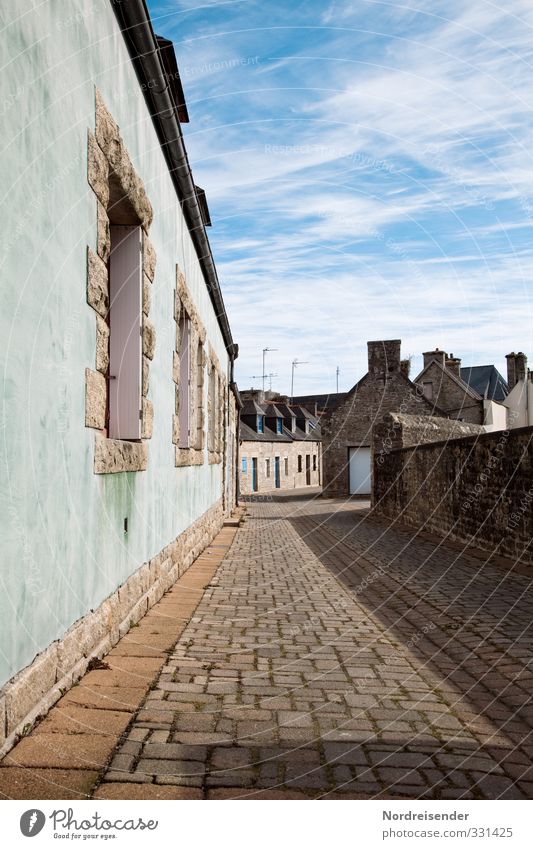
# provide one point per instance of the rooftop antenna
(338, 372)
(264, 352)
(270, 376)
(295, 363)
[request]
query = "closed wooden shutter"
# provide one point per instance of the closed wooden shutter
(184, 387)
(125, 336)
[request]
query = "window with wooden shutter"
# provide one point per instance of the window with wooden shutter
(185, 381)
(125, 333)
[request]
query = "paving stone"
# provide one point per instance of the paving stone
(105, 698)
(396, 775)
(175, 751)
(71, 719)
(344, 753)
(150, 766)
(295, 719)
(231, 778)
(226, 793)
(116, 790)
(76, 751)
(296, 777)
(200, 738)
(32, 783)
(231, 758)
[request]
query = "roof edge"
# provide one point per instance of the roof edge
(134, 21)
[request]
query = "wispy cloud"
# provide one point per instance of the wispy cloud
(369, 170)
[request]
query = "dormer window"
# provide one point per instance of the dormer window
(293, 424)
(279, 425)
(260, 424)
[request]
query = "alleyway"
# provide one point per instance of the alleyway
(303, 669)
(330, 657)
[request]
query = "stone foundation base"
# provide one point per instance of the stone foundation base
(37, 687)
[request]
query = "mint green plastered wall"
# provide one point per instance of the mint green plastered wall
(63, 545)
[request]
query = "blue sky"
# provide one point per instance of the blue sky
(369, 172)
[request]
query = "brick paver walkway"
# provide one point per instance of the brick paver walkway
(332, 657)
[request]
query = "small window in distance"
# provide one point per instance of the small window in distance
(299, 462)
(427, 388)
(260, 424)
(314, 462)
(293, 424)
(244, 465)
(267, 468)
(286, 466)
(185, 381)
(279, 425)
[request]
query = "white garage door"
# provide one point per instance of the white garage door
(359, 471)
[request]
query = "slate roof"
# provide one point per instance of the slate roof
(273, 411)
(252, 408)
(323, 402)
(486, 381)
(247, 434)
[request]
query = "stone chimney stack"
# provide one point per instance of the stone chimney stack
(439, 356)
(516, 368)
(521, 366)
(384, 357)
(405, 367)
(453, 364)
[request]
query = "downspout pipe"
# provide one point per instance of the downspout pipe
(136, 27)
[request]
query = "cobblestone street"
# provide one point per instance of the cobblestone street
(331, 657)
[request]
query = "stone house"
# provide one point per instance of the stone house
(347, 443)
(279, 444)
(473, 394)
(120, 436)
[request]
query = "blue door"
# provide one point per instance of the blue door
(276, 472)
(254, 474)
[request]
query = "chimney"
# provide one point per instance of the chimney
(439, 356)
(521, 366)
(405, 367)
(516, 368)
(511, 371)
(453, 364)
(384, 357)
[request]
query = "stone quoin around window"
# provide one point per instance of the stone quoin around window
(188, 425)
(123, 417)
(216, 408)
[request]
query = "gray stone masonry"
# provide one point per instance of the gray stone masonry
(477, 490)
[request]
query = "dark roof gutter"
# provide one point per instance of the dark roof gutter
(136, 27)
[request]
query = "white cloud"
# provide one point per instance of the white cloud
(370, 176)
